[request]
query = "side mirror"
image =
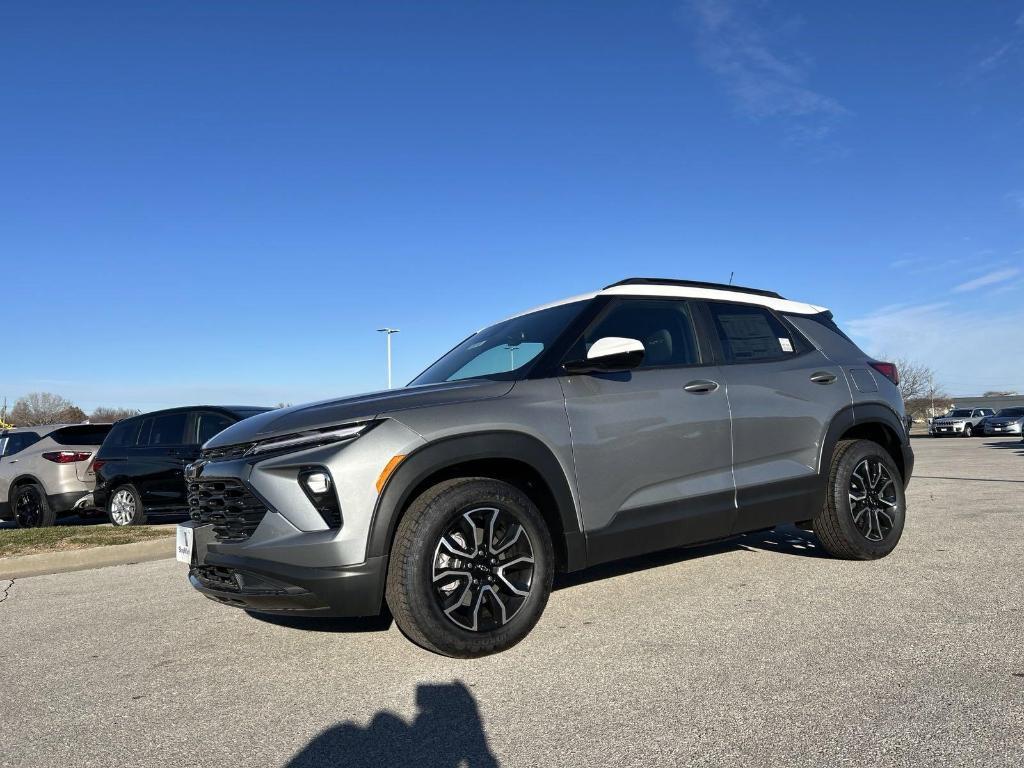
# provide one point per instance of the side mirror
(609, 354)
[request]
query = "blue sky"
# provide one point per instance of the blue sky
(220, 201)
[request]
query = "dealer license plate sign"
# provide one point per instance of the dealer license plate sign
(183, 546)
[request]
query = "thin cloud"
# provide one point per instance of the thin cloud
(763, 82)
(1004, 51)
(957, 343)
(990, 278)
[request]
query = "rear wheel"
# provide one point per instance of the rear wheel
(471, 568)
(31, 509)
(125, 507)
(865, 507)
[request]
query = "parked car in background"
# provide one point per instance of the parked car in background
(960, 422)
(45, 471)
(140, 468)
(1009, 421)
(590, 430)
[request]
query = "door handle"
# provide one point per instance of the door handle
(701, 386)
(823, 377)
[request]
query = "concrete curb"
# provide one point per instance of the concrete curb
(84, 559)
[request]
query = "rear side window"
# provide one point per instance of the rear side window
(208, 424)
(750, 334)
(85, 434)
(168, 429)
(662, 326)
(19, 441)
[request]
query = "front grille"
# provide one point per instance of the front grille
(226, 452)
(228, 505)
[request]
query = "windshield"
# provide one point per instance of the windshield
(505, 350)
(1011, 412)
(960, 413)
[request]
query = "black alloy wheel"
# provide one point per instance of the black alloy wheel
(31, 508)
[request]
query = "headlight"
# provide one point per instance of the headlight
(311, 439)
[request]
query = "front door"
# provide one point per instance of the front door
(652, 445)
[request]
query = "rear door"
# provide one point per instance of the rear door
(651, 445)
(783, 394)
(160, 455)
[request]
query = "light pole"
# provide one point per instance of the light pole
(388, 332)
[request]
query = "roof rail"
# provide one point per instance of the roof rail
(694, 284)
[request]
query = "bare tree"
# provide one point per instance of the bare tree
(103, 415)
(45, 408)
(916, 379)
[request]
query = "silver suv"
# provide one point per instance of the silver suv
(647, 415)
(44, 471)
(961, 422)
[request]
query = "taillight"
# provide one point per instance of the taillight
(888, 370)
(67, 457)
(97, 464)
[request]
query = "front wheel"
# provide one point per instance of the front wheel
(31, 507)
(865, 507)
(471, 568)
(125, 507)
(968, 431)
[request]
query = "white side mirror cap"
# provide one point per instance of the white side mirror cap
(613, 345)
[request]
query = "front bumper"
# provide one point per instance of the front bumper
(1012, 429)
(288, 559)
(265, 586)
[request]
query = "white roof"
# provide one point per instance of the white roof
(690, 292)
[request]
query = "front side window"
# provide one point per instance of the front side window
(750, 333)
(503, 351)
(662, 326)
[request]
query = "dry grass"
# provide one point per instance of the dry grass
(33, 541)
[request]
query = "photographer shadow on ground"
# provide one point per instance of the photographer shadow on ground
(447, 732)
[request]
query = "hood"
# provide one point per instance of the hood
(328, 413)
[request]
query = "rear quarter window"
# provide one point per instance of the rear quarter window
(85, 434)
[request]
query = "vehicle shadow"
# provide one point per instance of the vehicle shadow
(446, 732)
(63, 521)
(355, 625)
(1013, 445)
(785, 540)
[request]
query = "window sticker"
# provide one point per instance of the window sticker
(787, 345)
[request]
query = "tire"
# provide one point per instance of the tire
(31, 508)
(855, 530)
(483, 607)
(968, 430)
(124, 507)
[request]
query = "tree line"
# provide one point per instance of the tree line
(39, 408)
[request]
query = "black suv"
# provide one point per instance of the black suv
(140, 468)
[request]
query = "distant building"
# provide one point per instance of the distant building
(997, 402)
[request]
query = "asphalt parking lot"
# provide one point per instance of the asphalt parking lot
(755, 652)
